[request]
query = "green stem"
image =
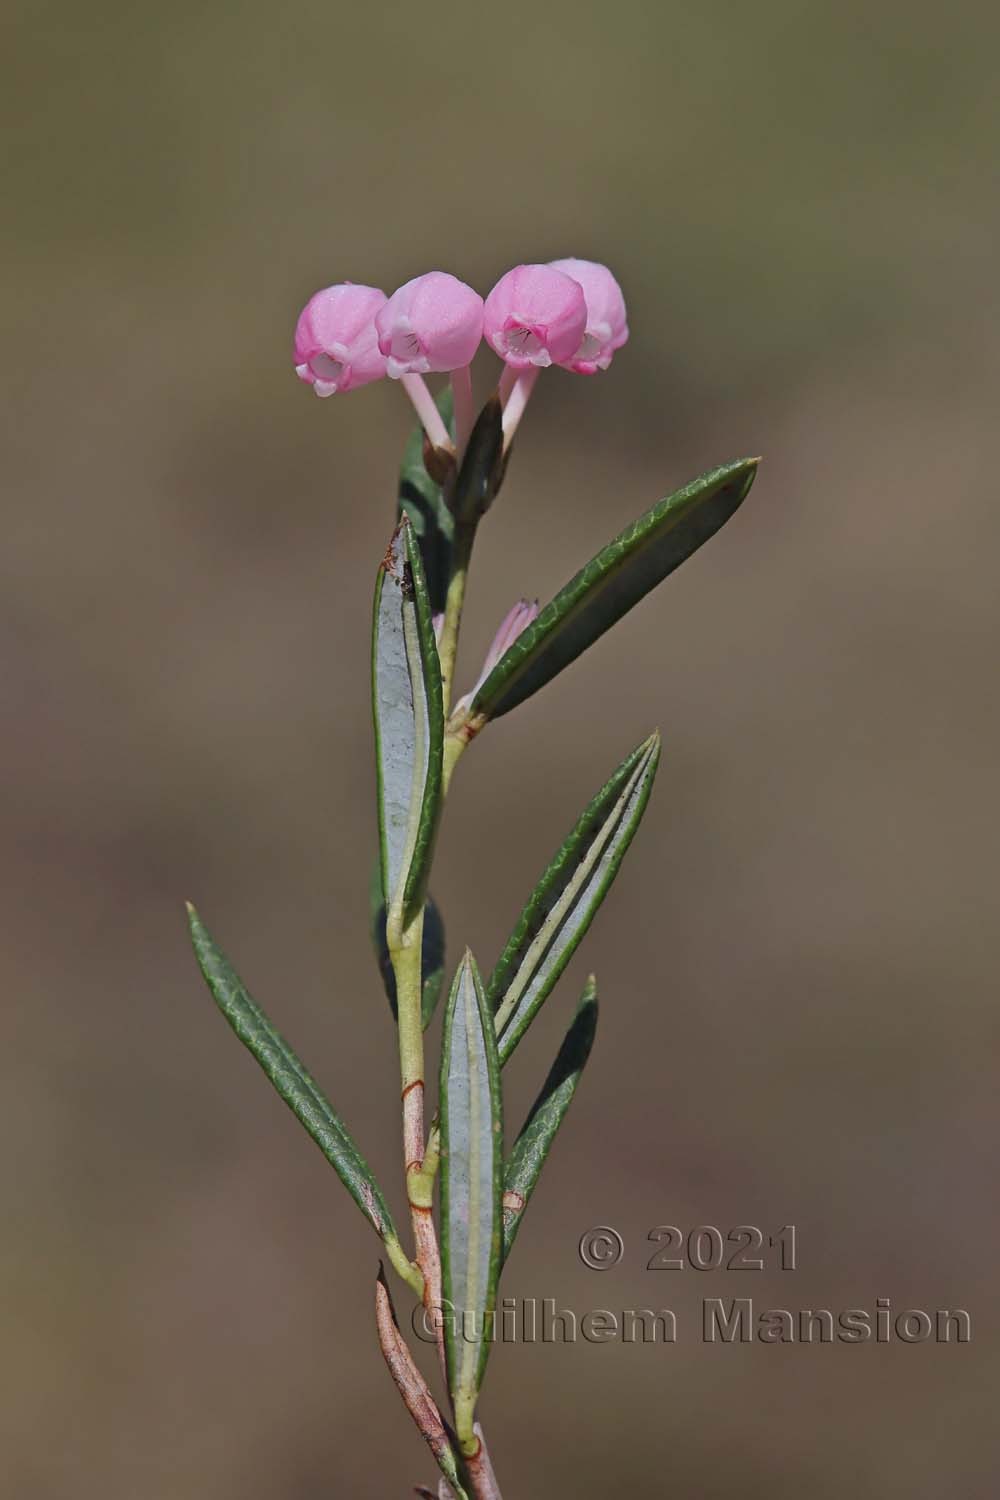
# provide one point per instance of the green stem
(405, 945)
(405, 951)
(465, 536)
(405, 1268)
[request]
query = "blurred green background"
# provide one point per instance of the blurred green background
(798, 964)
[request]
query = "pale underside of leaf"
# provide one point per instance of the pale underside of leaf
(567, 897)
(471, 1181)
(619, 576)
(406, 690)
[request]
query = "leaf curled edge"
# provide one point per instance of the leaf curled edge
(409, 723)
(567, 897)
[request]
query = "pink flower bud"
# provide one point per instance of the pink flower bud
(434, 322)
(607, 328)
(515, 621)
(535, 315)
(336, 348)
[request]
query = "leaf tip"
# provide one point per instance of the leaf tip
(468, 970)
(585, 1018)
(749, 467)
(392, 557)
(649, 751)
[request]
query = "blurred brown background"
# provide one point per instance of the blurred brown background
(798, 964)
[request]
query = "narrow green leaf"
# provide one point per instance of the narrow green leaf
(300, 1092)
(611, 583)
(532, 1146)
(471, 1185)
(563, 904)
(483, 466)
(432, 952)
(409, 724)
(422, 499)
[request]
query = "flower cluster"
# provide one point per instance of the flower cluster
(569, 313)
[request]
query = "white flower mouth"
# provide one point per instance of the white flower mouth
(405, 343)
(406, 352)
(327, 369)
(593, 343)
(525, 344)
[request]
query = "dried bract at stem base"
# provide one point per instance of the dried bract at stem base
(413, 1387)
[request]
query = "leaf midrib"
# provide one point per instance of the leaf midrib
(473, 1074)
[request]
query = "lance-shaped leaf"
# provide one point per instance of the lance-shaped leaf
(421, 497)
(409, 726)
(432, 950)
(300, 1091)
(483, 466)
(527, 1156)
(618, 577)
(471, 1185)
(562, 905)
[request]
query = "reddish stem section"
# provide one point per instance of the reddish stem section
(413, 1124)
(480, 1471)
(428, 1258)
(409, 1382)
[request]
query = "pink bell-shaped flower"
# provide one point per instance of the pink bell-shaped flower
(607, 326)
(336, 347)
(432, 323)
(535, 316)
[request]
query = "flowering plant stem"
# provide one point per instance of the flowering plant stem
(465, 536)
(405, 945)
(466, 1194)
